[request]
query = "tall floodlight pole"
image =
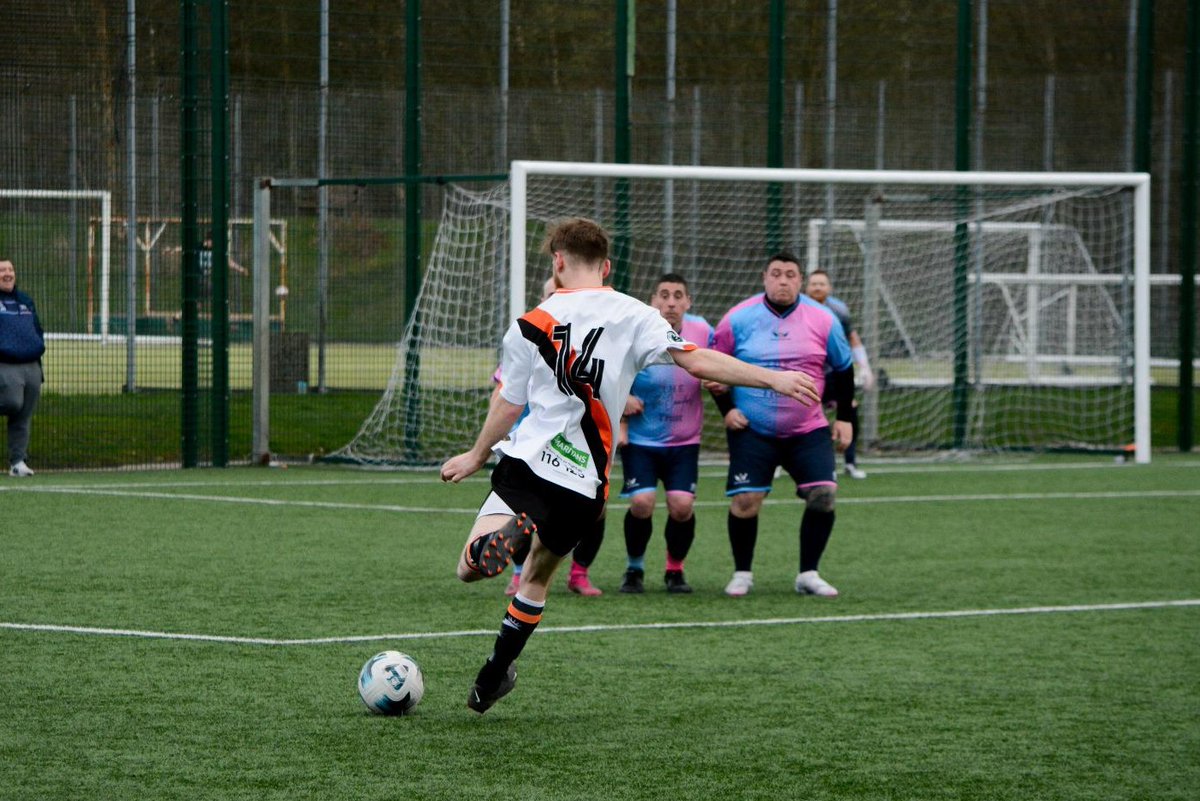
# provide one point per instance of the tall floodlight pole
(131, 213)
(502, 126)
(1142, 103)
(775, 125)
(1164, 185)
(499, 306)
(73, 182)
(1131, 33)
(830, 128)
(1144, 82)
(219, 181)
(623, 76)
(669, 145)
(978, 253)
(412, 227)
(797, 159)
(189, 179)
(323, 199)
(1187, 227)
(962, 162)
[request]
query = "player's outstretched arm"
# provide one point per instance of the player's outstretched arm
(712, 365)
(500, 418)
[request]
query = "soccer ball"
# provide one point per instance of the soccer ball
(390, 683)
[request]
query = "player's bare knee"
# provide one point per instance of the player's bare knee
(820, 499)
(746, 504)
(642, 505)
(680, 507)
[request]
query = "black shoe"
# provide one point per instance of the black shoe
(676, 582)
(634, 581)
(481, 701)
(490, 553)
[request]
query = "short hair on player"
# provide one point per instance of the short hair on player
(582, 238)
(788, 256)
(819, 271)
(672, 278)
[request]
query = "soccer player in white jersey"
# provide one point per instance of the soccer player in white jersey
(585, 552)
(572, 360)
(665, 413)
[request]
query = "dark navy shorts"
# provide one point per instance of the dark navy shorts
(677, 466)
(562, 516)
(808, 459)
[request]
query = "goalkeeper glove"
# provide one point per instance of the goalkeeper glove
(863, 367)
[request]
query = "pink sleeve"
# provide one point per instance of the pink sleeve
(723, 336)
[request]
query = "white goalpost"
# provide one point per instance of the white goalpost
(1003, 311)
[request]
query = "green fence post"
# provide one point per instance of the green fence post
(412, 227)
(190, 184)
(775, 125)
(219, 67)
(1187, 230)
(962, 240)
(625, 37)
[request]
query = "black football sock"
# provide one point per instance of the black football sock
(585, 552)
(851, 449)
(815, 528)
(637, 535)
(519, 622)
(679, 536)
(743, 535)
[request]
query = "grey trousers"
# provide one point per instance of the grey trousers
(20, 388)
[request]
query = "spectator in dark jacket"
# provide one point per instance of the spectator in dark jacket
(22, 344)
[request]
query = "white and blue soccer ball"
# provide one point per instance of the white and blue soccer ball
(390, 683)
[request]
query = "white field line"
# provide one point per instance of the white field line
(297, 478)
(179, 496)
(381, 507)
(698, 624)
(359, 477)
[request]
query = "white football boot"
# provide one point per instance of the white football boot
(740, 584)
(810, 583)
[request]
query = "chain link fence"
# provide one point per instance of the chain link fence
(92, 95)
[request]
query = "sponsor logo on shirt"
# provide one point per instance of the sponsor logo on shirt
(568, 451)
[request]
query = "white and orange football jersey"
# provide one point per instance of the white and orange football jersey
(572, 360)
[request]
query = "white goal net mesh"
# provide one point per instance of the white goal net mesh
(996, 317)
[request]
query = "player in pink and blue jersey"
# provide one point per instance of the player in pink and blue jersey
(664, 415)
(785, 330)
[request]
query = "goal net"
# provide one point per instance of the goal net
(1000, 311)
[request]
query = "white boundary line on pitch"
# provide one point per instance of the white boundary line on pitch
(380, 507)
(700, 624)
(883, 467)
